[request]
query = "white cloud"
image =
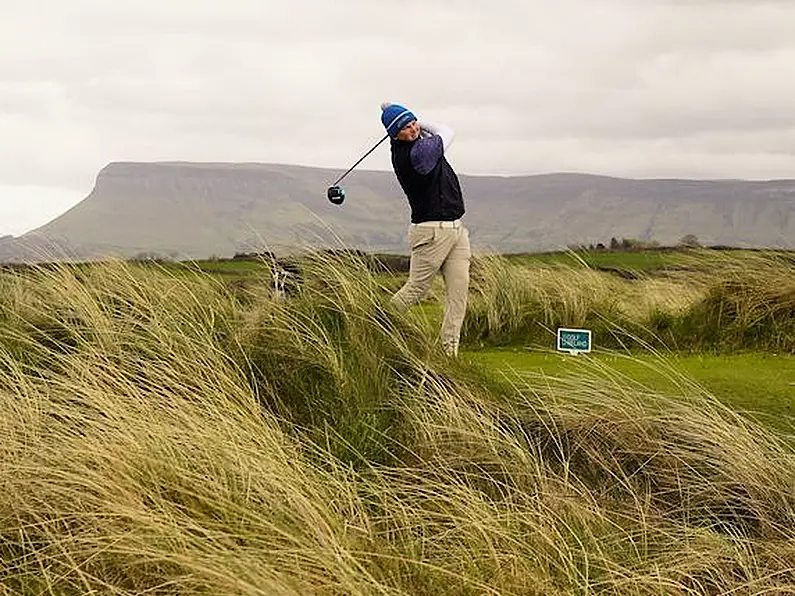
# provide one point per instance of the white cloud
(621, 87)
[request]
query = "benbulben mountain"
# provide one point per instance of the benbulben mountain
(183, 210)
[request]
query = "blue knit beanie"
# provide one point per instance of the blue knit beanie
(394, 117)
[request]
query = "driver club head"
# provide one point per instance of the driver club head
(336, 194)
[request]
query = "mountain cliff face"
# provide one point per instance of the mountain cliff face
(199, 210)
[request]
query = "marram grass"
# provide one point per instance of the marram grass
(711, 301)
(163, 434)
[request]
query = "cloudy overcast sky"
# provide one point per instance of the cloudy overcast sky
(638, 88)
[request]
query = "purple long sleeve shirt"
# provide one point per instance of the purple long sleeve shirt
(429, 148)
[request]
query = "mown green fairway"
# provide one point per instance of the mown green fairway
(759, 384)
(639, 261)
(642, 260)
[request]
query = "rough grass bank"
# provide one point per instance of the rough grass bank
(163, 434)
(708, 301)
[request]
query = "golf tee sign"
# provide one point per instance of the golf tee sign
(574, 341)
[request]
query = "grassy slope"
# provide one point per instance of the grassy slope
(162, 435)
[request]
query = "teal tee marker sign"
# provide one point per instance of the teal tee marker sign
(574, 341)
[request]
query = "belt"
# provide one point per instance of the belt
(456, 223)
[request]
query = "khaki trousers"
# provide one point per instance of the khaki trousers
(435, 249)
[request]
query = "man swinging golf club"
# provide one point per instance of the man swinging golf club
(438, 239)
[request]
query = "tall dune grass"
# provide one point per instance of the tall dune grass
(749, 303)
(164, 434)
(513, 303)
(719, 302)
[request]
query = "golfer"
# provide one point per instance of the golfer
(438, 239)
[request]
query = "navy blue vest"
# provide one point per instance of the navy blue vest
(433, 196)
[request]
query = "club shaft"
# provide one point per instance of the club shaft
(361, 159)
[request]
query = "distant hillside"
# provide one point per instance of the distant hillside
(199, 210)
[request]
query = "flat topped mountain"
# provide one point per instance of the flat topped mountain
(199, 210)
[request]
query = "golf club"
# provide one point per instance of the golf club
(336, 194)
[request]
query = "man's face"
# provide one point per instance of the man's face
(410, 132)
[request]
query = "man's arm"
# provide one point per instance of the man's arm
(442, 130)
(429, 148)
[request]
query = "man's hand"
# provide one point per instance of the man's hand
(444, 131)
